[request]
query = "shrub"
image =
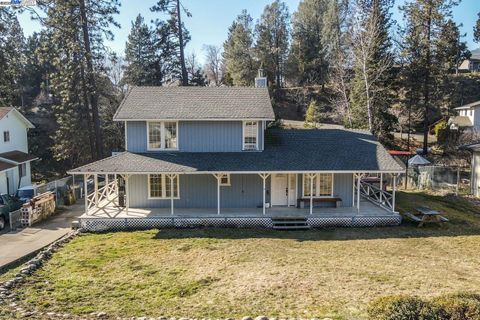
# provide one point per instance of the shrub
(461, 306)
(400, 308)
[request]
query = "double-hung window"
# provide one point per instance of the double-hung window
(161, 186)
(322, 185)
(250, 135)
(225, 179)
(6, 136)
(162, 135)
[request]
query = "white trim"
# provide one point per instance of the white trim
(126, 136)
(17, 163)
(27, 123)
(162, 136)
(256, 135)
(193, 119)
(232, 172)
(164, 177)
(317, 185)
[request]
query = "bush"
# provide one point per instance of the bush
(461, 306)
(400, 308)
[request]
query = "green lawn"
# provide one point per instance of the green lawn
(234, 273)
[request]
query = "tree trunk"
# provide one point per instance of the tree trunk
(180, 40)
(426, 84)
(87, 112)
(91, 82)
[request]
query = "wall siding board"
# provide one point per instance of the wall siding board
(195, 136)
(200, 191)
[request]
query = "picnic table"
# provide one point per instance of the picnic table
(426, 215)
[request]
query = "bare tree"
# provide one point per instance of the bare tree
(213, 64)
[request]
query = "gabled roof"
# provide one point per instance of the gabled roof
(475, 54)
(460, 121)
(17, 157)
(469, 106)
(285, 150)
(6, 110)
(195, 103)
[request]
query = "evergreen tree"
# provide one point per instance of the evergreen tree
(237, 52)
(12, 59)
(424, 21)
(272, 40)
(476, 30)
(143, 64)
(313, 116)
(371, 97)
(307, 61)
(172, 37)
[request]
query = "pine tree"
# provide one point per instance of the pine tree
(424, 20)
(238, 52)
(271, 48)
(307, 61)
(476, 30)
(313, 116)
(371, 98)
(143, 63)
(12, 59)
(173, 37)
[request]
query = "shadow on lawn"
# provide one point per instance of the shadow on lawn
(464, 221)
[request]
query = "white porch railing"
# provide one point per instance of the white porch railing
(108, 192)
(377, 196)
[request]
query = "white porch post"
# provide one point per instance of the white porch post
(381, 186)
(127, 190)
(358, 192)
(96, 189)
(218, 177)
(171, 176)
(85, 192)
(394, 190)
(311, 192)
(264, 177)
(353, 189)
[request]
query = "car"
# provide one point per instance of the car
(7, 205)
(25, 194)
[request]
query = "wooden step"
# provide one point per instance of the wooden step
(290, 223)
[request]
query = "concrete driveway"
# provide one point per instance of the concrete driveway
(15, 245)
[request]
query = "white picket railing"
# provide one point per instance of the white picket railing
(377, 196)
(107, 192)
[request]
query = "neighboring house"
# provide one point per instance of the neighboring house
(204, 156)
(468, 116)
(14, 157)
(472, 64)
(474, 148)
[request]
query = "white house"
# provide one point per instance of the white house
(472, 64)
(14, 158)
(468, 116)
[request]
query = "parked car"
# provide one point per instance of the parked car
(7, 205)
(26, 194)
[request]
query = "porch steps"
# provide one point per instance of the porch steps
(290, 223)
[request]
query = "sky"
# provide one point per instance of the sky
(211, 18)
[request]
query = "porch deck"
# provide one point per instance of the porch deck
(109, 210)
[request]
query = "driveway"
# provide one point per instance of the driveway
(15, 245)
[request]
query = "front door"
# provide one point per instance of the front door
(279, 189)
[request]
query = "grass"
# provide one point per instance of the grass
(233, 273)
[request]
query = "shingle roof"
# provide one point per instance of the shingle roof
(468, 106)
(6, 165)
(4, 111)
(461, 121)
(195, 103)
(285, 150)
(17, 156)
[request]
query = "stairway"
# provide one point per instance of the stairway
(290, 223)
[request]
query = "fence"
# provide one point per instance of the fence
(15, 220)
(456, 179)
(60, 186)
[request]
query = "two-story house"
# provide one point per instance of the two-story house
(205, 156)
(14, 157)
(468, 116)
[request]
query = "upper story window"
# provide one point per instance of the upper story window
(6, 136)
(322, 185)
(162, 135)
(250, 135)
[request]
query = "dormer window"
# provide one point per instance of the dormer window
(162, 135)
(250, 135)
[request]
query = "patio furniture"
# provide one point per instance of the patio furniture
(428, 215)
(303, 202)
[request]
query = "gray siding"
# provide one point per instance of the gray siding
(195, 136)
(342, 187)
(200, 191)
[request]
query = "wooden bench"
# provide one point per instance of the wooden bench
(306, 201)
